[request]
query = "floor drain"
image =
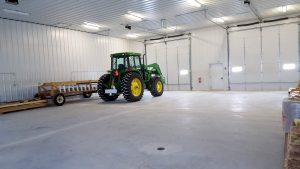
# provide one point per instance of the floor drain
(160, 148)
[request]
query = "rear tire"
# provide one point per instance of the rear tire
(132, 87)
(59, 99)
(157, 87)
(103, 81)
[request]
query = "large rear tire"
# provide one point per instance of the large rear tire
(102, 83)
(132, 87)
(157, 87)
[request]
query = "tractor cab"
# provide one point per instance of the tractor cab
(123, 62)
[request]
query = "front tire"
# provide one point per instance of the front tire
(157, 87)
(102, 85)
(132, 87)
(59, 99)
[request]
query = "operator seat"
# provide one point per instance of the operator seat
(121, 66)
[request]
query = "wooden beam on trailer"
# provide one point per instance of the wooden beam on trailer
(17, 106)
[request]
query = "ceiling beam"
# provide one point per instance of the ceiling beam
(254, 10)
(206, 17)
(144, 30)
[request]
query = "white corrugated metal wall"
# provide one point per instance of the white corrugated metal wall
(32, 53)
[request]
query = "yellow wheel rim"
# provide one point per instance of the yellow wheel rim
(136, 87)
(159, 86)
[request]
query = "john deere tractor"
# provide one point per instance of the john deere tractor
(129, 76)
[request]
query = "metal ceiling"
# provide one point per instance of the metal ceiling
(110, 13)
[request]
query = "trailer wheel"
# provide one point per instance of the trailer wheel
(59, 99)
(87, 95)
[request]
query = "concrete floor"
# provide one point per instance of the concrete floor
(199, 130)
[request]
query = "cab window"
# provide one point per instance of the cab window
(134, 62)
(119, 63)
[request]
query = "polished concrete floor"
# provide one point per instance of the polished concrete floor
(197, 130)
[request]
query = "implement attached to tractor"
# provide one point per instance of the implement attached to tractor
(128, 76)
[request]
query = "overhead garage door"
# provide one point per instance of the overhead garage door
(173, 59)
(264, 60)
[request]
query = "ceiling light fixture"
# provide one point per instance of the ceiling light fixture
(171, 28)
(92, 26)
(195, 3)
(132, 35)
(15, 12)
(219, 20)
(284, 9)
(134, 16)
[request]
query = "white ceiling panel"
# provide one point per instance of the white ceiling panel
(110, 14)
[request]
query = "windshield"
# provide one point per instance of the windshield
(119, 63)
(122, 62)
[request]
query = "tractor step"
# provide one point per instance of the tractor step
(111, 91)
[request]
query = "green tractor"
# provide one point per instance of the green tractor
(128, 76)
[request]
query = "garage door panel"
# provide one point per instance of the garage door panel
(237, 78)
(172, 65)
(172, 87)
(270, 44)
(236, 51)
(287, 86)
(262, 55)
(289, 50)
(161, 50)
(252, 77)
(253, 86)
(252, 48)
(184, 42)
(151, 53)
(237, 56)
(271, 86)
(290, 75)
(185, 87)
(271, 72)
(238, 87)
(173, 57)
(162, 60)
(183, 62)
(253, 72)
